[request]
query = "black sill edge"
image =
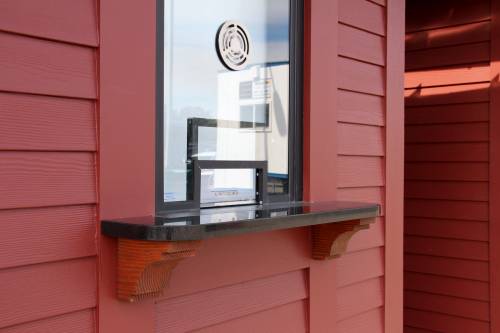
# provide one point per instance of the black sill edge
(219, 222)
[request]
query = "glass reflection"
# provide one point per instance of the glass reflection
(227, 186)
(197, 85)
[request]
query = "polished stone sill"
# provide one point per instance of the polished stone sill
(219, 222)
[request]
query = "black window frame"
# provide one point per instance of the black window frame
(296, 96)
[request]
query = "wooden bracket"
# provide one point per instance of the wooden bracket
(330, 240)
(144, 267)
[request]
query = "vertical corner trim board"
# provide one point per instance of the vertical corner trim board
(320, 120)
(127, 53)
(394, 168)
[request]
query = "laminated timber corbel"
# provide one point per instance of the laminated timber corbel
(144, 267)
(330, 240)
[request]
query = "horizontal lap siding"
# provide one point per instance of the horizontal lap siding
(253, 301)
(445, 13)
(348, 298)
(370, 321)
(287, 318)
(455, 306)
(73, 22)
(361, 164)
(37, 66)
(373, 266)
(250, 283)
(446, 168)
(36, 235)
(473, 191)
(468, 33)
(75, 322)
(459, 132)
(225, 304)
(441, 322)
(358, 108)
(447, 228)
(447, 56)
(44, 290)
(364, 15)
(476, 270)
(291, 252)
(447, 95)
(36, 179)
(437, 77)
(447, 286)
(368, 47)
(48, 171)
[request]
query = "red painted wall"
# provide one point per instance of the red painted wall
(77, 123)
(361, 116)
(448, 150)
(48, 92)
(345, 128)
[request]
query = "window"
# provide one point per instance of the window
(229, 102)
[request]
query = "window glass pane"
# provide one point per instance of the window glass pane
(198, 86)
(236, 186)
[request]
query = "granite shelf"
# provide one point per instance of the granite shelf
(218, 222)
(150, 247)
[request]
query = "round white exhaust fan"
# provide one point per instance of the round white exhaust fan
(233, 45)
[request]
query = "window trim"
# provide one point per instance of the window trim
(295, 151)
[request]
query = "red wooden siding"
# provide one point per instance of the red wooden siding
(221, 300)
(48, 148)
(290, 252)
(73, 22)
(259, 282)
(33, 68)
(447, 160)
(286, 318)
(196, 311)
(48, 89)
(78, 322)
(361, 150)
(239, 283)
(69, 124)
(494, 177)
